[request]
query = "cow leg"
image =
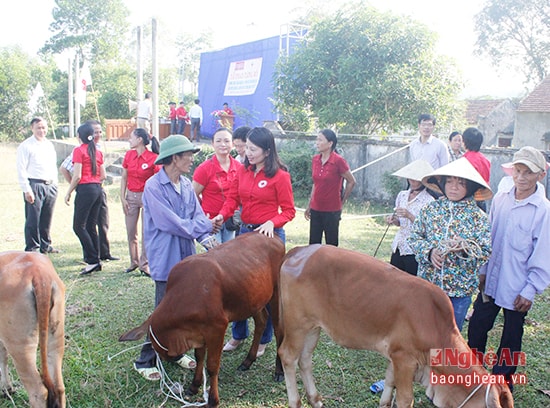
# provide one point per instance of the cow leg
(389, 385)
(200, 354)
(5, 381)
(404, 369)
(275, 318)
(306, 368)
(24, 359)
(260, 321)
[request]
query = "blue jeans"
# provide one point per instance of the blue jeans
(224, 235)
(460, 308)
(239, 329)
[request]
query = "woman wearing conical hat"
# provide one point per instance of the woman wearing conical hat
(407, 206)
(451, 236)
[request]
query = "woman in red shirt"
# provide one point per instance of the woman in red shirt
(88, 174)
(264, 190)
(138, 165)
(329, 170)
(213, 178)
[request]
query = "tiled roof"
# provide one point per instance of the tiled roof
(480, 107)
(538, 100)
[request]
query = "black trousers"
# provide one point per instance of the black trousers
(103, 227)
(38, 216)
(406, 263)
(86, 212)
(482, 322)
(327, 222)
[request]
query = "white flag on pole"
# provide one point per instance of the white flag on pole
(37, 93)
(85, 81)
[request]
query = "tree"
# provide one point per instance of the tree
(189, 52)
(96, 29)
(516, 33)
(365, 72)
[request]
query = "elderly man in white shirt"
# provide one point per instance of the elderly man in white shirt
(37, 176)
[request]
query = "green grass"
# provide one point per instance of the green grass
(104, 305)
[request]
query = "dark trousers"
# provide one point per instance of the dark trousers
(327, 222)
(173, 126)
(38, 217)
(103, 227)
(148, 357)
(196, 129)
(406, 263)
(181, 126)
(482, 322)
(86, 212)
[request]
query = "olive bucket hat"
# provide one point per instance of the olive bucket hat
(175, 144)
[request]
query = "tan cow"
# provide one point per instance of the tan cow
(32, 305)
(364, 303)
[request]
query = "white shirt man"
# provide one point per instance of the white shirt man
(428, 147)
(37, 176)
(145, 113)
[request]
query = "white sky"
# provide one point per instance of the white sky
(238, 21)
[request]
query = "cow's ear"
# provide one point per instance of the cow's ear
(137, 333)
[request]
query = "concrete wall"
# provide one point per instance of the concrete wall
(496, 121)
(530, 128)
(370, 181)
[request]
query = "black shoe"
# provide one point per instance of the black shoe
(131, 269)
(90, 268)
(50, 250)
(146, 273)
(110, 258)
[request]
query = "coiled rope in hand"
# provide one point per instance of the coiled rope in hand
(464, 248)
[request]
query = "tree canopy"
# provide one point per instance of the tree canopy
(516, 33)
(95, 28)
(365, 71)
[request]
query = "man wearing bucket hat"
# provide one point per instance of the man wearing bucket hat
(407, 206)
(172, 220)
(518, 268)
(451, 236)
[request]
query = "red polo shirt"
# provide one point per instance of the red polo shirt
(262, 198)
(139, 168)
(327, 182)
(216, 182)
(80, 155)
(480, 163)
(181, 113)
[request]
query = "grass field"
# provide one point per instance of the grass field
(106, 304)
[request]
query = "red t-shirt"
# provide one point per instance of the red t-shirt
(480, 163)
(80, 155)
(173, 113)
(139, 168)
(181, 113)
(216, 182)
(262, 198)
(327, 182)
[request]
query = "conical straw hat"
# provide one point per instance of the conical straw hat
(459, 168)
(415, 170)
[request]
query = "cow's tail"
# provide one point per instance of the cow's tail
(43, 293)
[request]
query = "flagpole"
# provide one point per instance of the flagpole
(95, 102)
(50, 118)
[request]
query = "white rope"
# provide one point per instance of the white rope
(176, 391)
(469, 397)
(469, 247)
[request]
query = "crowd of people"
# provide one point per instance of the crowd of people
(445, 236)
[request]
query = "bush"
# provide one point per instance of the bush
(297, 157)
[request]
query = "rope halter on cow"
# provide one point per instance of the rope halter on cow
(472, 394)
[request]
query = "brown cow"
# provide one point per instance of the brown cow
(364, 303)
(205, 292)
(32, 301)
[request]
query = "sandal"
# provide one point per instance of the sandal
(149, 373)
(186, 362)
